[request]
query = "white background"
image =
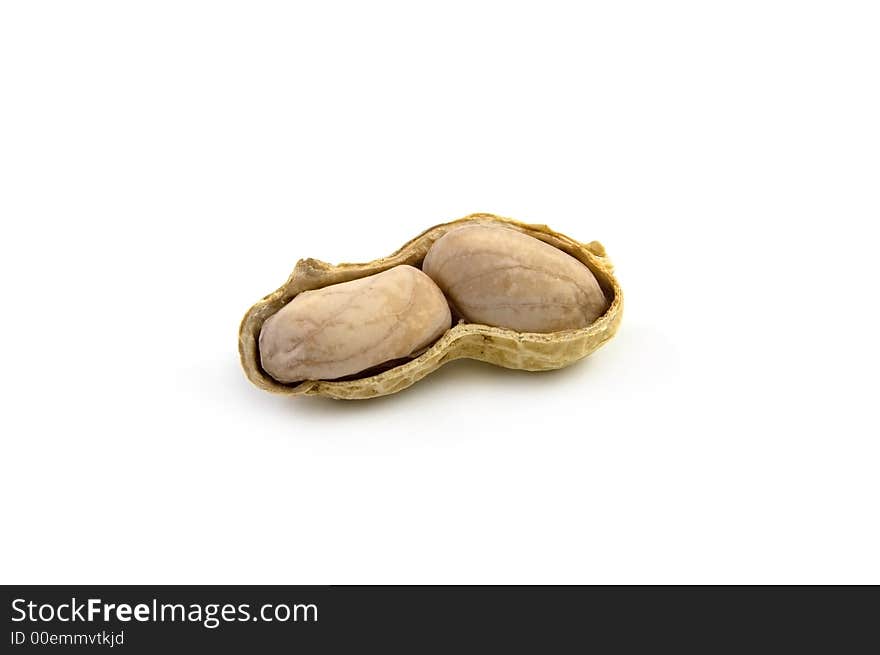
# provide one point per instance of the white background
(163, 165)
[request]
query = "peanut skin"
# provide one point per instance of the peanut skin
(499, 276)
(346, 328)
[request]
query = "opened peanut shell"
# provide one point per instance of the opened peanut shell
(533, 351)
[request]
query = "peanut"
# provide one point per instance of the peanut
(349, 327)
(498, 276)
(311, 294)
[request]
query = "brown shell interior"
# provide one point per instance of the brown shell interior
(529, 351)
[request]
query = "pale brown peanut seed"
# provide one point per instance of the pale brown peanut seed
(499, 276)
(349, 327)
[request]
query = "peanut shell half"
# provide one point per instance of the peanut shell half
(503, 347)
